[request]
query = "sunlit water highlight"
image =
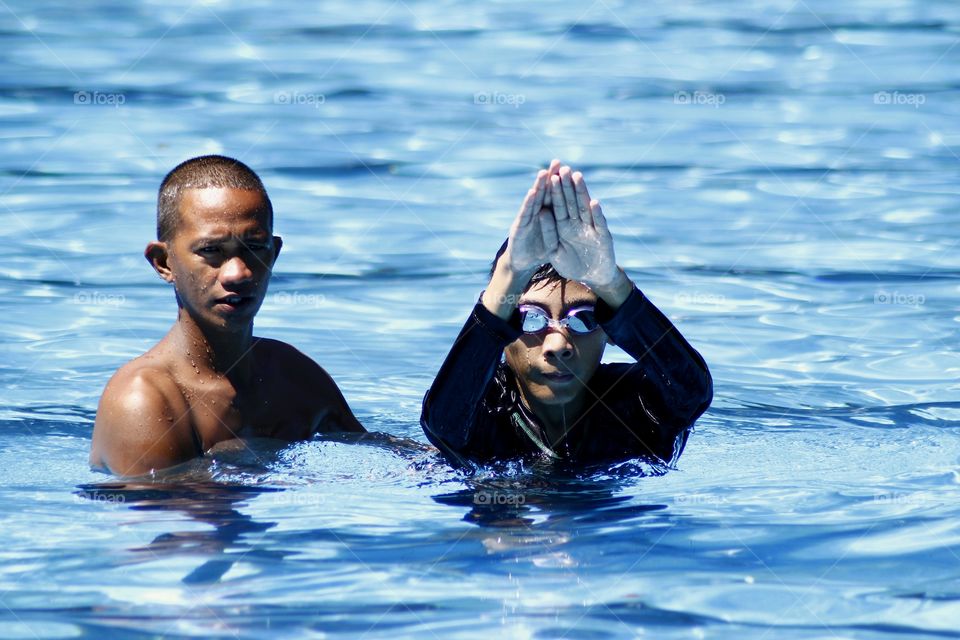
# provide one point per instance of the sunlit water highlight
(781, 179)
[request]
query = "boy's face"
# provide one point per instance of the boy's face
(554, 366)
(221, 255)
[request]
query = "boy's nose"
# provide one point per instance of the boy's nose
(235, 270)
(556, 344)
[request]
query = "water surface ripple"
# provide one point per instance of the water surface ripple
(781, 178)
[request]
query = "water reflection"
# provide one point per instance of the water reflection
(209, 502)
(551, 496)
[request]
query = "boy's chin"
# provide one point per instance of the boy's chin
(555, 397)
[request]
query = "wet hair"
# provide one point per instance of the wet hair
(544, 274)
(202, 172)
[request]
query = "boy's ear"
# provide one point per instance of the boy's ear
(277, 245)
(158, 256)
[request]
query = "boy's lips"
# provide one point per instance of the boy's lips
(558, 376)
(233, 302)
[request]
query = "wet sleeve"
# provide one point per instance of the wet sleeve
(674, 384)
(452, 407)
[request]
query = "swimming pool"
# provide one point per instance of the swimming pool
(780, 178)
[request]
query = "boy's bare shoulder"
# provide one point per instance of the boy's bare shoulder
(303, 377)
(293, 363)
(143, 420)
(143, 380)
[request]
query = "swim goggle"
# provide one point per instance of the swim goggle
(579, 320)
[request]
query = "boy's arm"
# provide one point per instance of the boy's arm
(452, 407)
(306, 378)
(674, 385)
(336, 415)
(142, 424)
(677, 386)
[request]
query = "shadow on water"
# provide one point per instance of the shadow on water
(552, 495)
(209, 502)
(211, 490)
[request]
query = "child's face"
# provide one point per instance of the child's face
(554, 366)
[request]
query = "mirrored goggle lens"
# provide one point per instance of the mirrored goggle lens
(580, 321)
(533, 321)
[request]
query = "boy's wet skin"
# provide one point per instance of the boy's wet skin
(209, 379)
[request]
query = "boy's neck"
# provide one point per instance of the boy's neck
(225, 353)
(557, 420)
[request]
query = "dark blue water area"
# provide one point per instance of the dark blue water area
(781, 178)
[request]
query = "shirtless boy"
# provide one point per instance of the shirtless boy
(210, 379)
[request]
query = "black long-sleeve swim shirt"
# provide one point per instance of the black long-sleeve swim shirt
(646, 409)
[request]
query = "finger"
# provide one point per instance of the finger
(525, 215)
(559, 203)
(551, 170)
(530, 203)
(548, 230)
(569, 196)
(540, 184)
(599, 220)
(583, 197)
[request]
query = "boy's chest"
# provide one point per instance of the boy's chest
(224, 413)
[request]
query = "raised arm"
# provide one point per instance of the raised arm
(677, 386)
(451, 413)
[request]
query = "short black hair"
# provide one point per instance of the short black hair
(202, 172)
(545, 273)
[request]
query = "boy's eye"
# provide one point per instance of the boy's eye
(209, 250)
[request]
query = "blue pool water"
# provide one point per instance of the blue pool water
(781, 177)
